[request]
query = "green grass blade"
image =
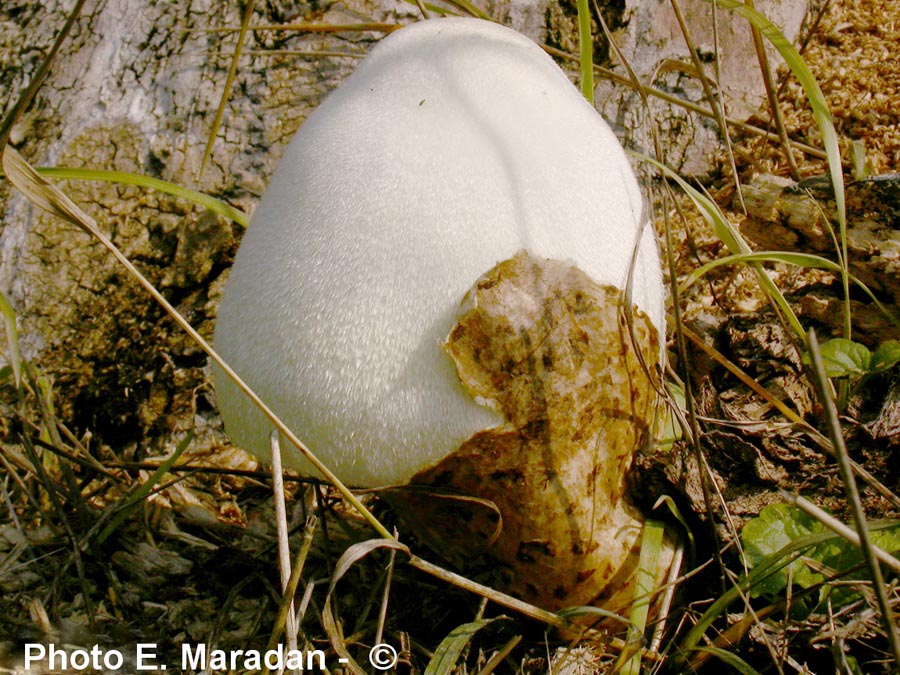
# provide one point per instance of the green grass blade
(124, 178)
(586, 50)
(821, 113)
(229, 84)
(578, 611)
(645, 581)
(807, 260)
(730, 237)
(14, 357)
(466, 6)
(732, 660)
(670, 504)
(143, 490)
(446, 655)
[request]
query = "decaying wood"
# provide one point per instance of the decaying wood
(784, 216)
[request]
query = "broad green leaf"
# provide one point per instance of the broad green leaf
(845, 357)
(886, 355)
(779, 524)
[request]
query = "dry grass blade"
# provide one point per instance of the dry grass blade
(315, 28)
(287, 598)
(687, 105)
(304, 53)
(865, 543)
(50, 198)
(838, 527)
(37, 467)
(791, 415)
(499, 657)
(688, 423)
(359, 551)
(524, 608)
(38, 191)
(747, 380)
(284, 548)
(716, 105)
(382, 611)
(229, 82)
(22, 104)
(350, 557)
(772, 95)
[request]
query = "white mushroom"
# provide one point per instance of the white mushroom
(454, 145)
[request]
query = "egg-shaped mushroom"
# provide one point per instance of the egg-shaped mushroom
(457, 156)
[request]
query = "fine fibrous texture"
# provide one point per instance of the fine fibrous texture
(454, 145)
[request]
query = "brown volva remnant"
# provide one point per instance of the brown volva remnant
(543, 494)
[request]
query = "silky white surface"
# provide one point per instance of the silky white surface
(455, 143)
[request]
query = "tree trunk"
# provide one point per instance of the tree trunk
(135, 88)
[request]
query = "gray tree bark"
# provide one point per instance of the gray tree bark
(135, 88)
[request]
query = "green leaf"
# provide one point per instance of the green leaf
(645, 581)
(779, 524)
(445, 656)
(845, 357)
(737, 664)
(669, 427)
(123, 178)
(12, 339)
(885, 356)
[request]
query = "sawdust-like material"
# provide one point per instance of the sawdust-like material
(853, 55)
